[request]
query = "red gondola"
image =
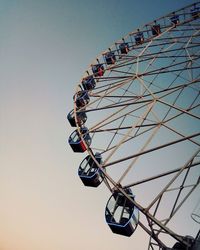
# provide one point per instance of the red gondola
(98, 70)
(77, 143)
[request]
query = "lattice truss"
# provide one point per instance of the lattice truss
(144, 120)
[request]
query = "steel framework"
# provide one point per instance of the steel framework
(144, 120)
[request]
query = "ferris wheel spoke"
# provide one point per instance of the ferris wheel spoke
(195, 99)
(180, 189)
(166, 89)
(179, 114)
(129, 132)
(109, 90)
(180, 91)
(176, 76)
(160, 175)
(128, 113)
(152, 149)
(179, 109)
(132, 137)
(163, 124)
(124, 93)
(112, 85)
(180, 134)
(116, 132)
(119, 105)
(188, 163)
(136, 158)
(175, 210)
(167, 69)
(123, 128)
(168, 52)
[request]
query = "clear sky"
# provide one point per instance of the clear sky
(45, 46)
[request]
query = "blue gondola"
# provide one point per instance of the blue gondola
(81, 118)
(156, 29)
(195, 12)
(110, 58)
(121, 215)
(139, 37)
(81, 98)
(88, 83)
(98, 70)
(175, 19)
(89, 172)
(124, 48)
(77, 143)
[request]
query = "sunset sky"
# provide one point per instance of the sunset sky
(45, 46)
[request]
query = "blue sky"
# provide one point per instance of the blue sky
(45, 47)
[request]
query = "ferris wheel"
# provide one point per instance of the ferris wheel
(137, 117)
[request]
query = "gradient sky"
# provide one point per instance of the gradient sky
(45, 47)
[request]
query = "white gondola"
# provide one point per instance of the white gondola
(77, 143)
(121, 215)
(89, 172)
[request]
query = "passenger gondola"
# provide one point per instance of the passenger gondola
(181, 246)
(89, 172)
(156, 29)
(139, 37)
(124, 48)
(81, 118)
(98, 70)
(195, 12)
(175, 19)
(88, 83)
(81, 98)
(121, 214)
(77, 143)
(110, 57)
